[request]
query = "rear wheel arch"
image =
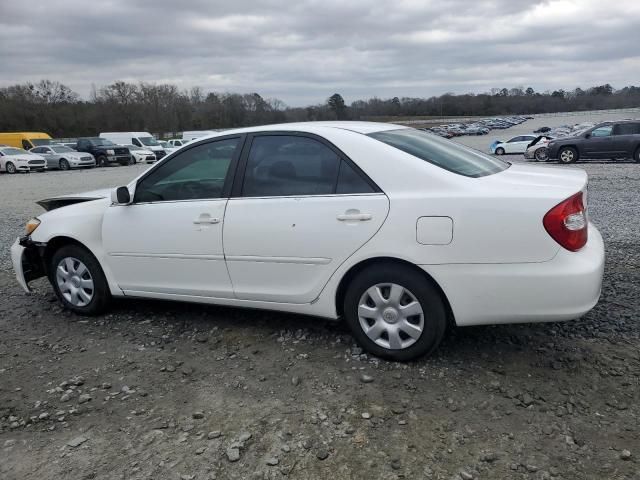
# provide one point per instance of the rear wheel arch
(386, 261)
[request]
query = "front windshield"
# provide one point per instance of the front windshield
(148, 141)
(38, 142)
(61, 149)
(13, 151)
(443, 153)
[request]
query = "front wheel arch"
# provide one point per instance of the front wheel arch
(358, 267)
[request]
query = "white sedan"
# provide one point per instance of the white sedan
(13, 160)
(140, 154)
(517, 144)
(396, 230)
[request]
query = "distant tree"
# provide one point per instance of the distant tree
(336, 103)
(529, 92)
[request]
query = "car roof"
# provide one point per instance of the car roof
(313, 127)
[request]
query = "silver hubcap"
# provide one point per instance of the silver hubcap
(391, 316)
(541, 154)
(74, 281)
(566, 156)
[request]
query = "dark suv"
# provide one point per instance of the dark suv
(105, 151)
(607, 140)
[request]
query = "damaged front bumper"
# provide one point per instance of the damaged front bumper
(27, 259)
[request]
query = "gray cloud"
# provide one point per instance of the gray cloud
(302, 52)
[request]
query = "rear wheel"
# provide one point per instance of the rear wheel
(78, 280)
(10, 167)
(394, 312)
(499, 151)
(64, 165)
(568, 155)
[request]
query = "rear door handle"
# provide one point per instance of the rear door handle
(354, 217)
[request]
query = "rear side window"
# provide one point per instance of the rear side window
(288, 165)
(627, 129)
(443, 153)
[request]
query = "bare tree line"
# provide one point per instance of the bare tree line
(54, 108)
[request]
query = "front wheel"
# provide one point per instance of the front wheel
(541, 154)
(499, 151)
(78, 280)
(10, 167)
(64, 165)
(394, 312)
(101, 161)
(568, 155)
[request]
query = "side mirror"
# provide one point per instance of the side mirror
(587, 135)
(120, 196)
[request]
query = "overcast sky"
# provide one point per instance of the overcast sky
(302, 51)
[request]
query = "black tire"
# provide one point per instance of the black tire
(422, 290)
(132, 160)
(568, 155)
(101, 295)
(499, 151)
(636, 155)
(10, 168)
(64, 164)
(101, 161)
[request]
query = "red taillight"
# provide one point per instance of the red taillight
(567, 223)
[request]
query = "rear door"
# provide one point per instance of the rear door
(625, 138)
(298, 210)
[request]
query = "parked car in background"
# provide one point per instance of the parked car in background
(537, 149)
(141, 154)
(139, 139)
(395, 230)
(193, 134)
(14, 160)
(177, 142)
(105, 151)
(517, 144)
(24, 140)
(64, 158)
(615, 140)
(169, 148)
(542, 130)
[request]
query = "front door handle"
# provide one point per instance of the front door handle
(354, 217)
(206, 219)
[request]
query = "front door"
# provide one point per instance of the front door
(600, 143)
(169, 240)
(300, 210)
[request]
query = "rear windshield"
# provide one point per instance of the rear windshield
(443, 153)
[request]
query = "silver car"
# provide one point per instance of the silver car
(64, 158)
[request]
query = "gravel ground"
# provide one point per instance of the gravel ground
(168, 390)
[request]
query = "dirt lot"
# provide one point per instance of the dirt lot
(167, 390)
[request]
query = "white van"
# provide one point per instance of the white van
(139, 139)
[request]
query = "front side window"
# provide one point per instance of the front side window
(602, 131)
(197, 173)
(285, 165)
(443, 153)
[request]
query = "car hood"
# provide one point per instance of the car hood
(64, 200)
(24, 157)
